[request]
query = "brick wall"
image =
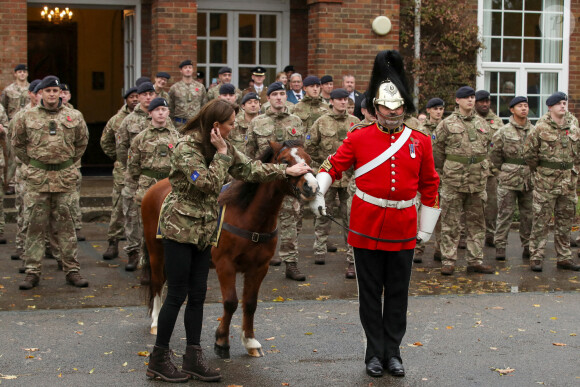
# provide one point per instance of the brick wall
(13, 35)
(574, 73)
(340, 38)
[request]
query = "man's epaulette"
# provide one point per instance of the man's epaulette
(419, 129)
(360, 125)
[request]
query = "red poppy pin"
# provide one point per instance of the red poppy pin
(491, 121)
(567, 133)
(170, 146)
(293, 131)
(197, 89)
(68, 118)
(351, 124)
(482, 130)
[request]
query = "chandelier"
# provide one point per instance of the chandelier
(56, 15)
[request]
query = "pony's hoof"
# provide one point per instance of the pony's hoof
(222, 351)
(255, 352)
(153, 331)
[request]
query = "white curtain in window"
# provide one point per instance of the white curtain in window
(552, 27)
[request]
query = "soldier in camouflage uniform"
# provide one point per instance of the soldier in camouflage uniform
(5, 155)
(117, 223)
(326, 87)
(187, 96)
(483, 108)
(322, 140)
(131, 126)
(225, 77)
(161, 80)
(552, 150)
(258, 76)
(311, 107)
(279, 125)
(514, 179)
(460, 145)
(50, 139)
(15, 96)
(227, 92)
(250, 110)
(435, 108)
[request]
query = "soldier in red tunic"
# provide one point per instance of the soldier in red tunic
(392, 162)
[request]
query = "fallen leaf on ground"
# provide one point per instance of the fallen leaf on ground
(322, 298)
(572, 334)
(285, 384)
(80, 323)
(505, 371)
(143, 353)
(8, 377)
(497, 307)
(449, 327)
(91, 371)
(308, 333)
(278, 299)
(125, 364)
(536, 305)
(270, 338)
(31, 349)
(553, 318)
(308, 284)
(559, 344)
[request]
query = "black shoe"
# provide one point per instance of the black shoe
(462, 244)
(489, 241)
(536, 265)
(437, 256)
(319, 259)
(568, 264)
(375, 367)
(417, 258)
(395, 367)
(331, 248)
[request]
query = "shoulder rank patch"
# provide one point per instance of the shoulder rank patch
(194, 175)
(360, 125)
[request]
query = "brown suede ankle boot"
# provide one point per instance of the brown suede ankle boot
(194, 364)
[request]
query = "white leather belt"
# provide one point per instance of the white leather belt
(398, 204)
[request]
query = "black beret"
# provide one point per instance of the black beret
(481, 94)
(224, 70)
(435, 102)
(20, 67)
(274, 87)
(517, 100)
(227, 88)
(259, 71)
(464, 92)
(200, 74)
(325, 79)
(145, 87)
(311, 80)
(339, 93)
(555, 98)
(289, 68)
(129, 91)
(163, 74)
(64, 86)
(33, 85)
(186, 62)
(156, 103)
(250, 96)
(141, 80)
(49, 81)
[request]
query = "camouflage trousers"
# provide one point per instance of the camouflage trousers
(563, 207)
(76, 205)
(506, 207)
(133, 227)
(290, 224)
(322, 224)
(21, 219)
(117, 223)
(2, 220)
(453, 205)
(48, 208)
(491, 206)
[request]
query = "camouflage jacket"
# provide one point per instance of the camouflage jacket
(272, 126)
(14, 98)
(162, 94)
(131, 126)
(507, 155)
(109, 135)
(550, 150)
(572, 119)
(310, 109)
(214, 92)
(428, 127)
(239, 136)
(189, 213)
(289, 106)
(263, 95)
(460, 146)
(186, 99)
(50, 137)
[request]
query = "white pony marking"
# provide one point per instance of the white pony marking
(250, 343)
(310, 179)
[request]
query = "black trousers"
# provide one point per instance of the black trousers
(385, 323)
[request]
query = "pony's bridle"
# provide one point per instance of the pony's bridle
(295, 190)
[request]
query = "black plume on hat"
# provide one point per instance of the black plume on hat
(389, 66)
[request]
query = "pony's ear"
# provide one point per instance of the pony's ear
(276, 146)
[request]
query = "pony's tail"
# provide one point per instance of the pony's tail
(146, 278)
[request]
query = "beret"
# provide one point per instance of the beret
(311, 80)
(20, 67)
(517, 100)
(289, 68)
(481, 94)
(145, 87)
(259, 71)
(163, 74)
(156, 103)
(435, 102)
(326, 79)
(274, 87)
(200, 74)
(339, 93)
(464, 92)
(49, 81)
(186, 62)
(224, 70)
(250, 96)
(129, 91)
(33, 85)
(227, 88)
(555, 98)
(141, 80)
(64, 86)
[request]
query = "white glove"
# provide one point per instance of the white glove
(427, 221)
(318, 205)
(423, 237)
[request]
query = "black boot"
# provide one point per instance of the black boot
(113, 250)
(161, 366)
(194, 364)
(133, 261)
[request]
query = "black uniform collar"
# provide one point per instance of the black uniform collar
(390, 131)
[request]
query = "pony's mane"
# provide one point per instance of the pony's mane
(242, 193)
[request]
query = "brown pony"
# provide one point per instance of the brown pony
(246, 244)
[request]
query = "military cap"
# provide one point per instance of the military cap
(49, 81)
(145, 87)
(481, 95)
(311, 80)
(274, 87)
(129, 91)
(141, 80)
(200, 74)
(464, 92)
(186, 62)
(156, 103)
(326, 79)
(227, 88)
(517, 100)
(33, 85)
(435, 102)
(37, 87)
(339, 93)
(259, 71)
(64, 87)
(289, 68)
(20, 67)
(224, 70)
(250, 96)
(163, 74)
(555, 98)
